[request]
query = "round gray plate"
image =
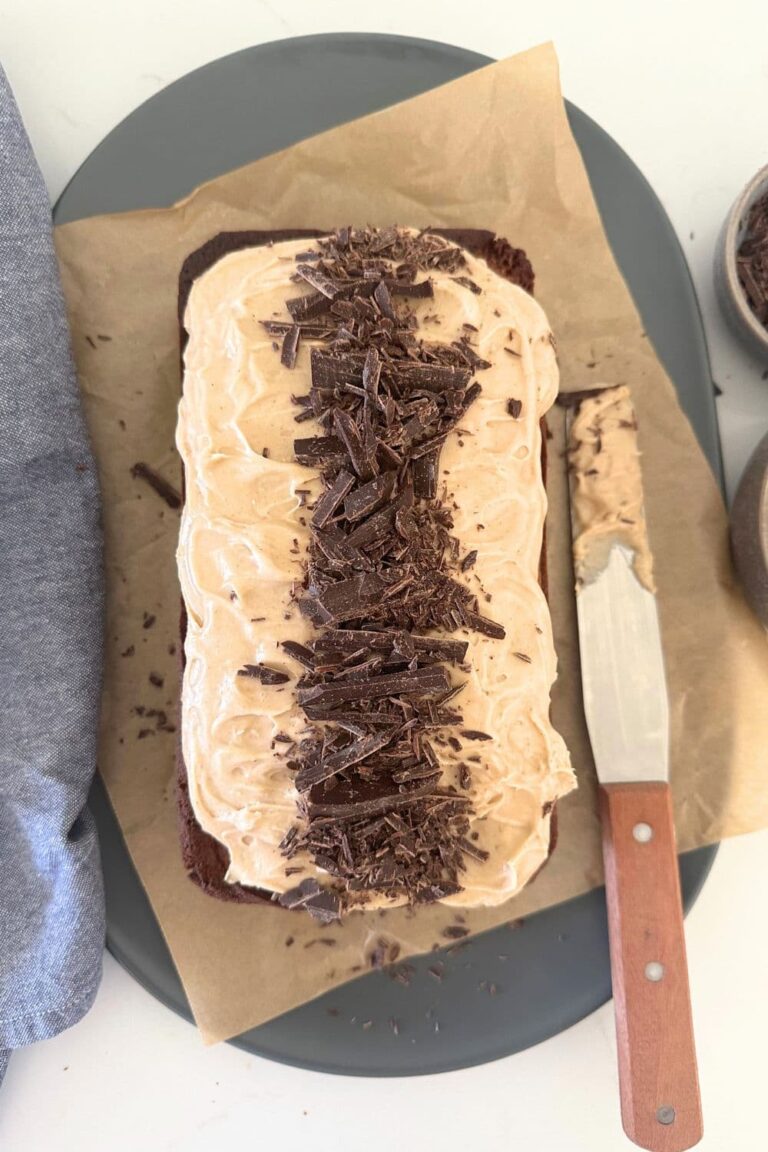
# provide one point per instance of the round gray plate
(553, 969)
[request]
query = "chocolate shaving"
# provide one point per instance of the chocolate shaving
(158, 483)
(418, 291)
(318, 280)
(358, 450)
(306, 307)
(369, 497)
(486, 626)
(331, 498)
(354, 753)
(465, 282)
(290, 346)
(423, 681)
(381, 573)
(319, 451)
(264, 674)
(300, 653)
(471, 357)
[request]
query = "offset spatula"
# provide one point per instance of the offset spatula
(626, 707)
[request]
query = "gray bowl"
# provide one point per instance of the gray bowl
(730, 293)
(749, 530)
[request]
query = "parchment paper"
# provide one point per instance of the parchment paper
(490, 150)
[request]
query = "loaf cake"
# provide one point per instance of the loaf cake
(368, 653)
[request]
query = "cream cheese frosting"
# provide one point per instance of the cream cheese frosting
(607, 485)
(244, 541)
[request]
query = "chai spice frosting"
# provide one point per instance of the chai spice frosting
(607, 485)
(368, 652)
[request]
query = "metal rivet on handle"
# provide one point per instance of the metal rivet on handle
(654, 971)
(642, 833)
(666, 1115)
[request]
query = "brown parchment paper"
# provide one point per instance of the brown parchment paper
(490, 150)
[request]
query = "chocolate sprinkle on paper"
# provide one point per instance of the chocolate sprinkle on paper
(158, 483)
(382, 587)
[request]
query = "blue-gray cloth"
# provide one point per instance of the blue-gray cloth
(51, 607)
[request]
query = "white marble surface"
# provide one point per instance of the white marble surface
(684, 88)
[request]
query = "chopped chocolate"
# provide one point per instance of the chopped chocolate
(307, 307)
(158, 483)
(473, 734)
(318, 280)
(368, 497)
(465, 282)
(384, 300)
(331, 498)
(356, 809)
(419, 291)
(483, 624)
(345, 600)
(319, 451)
(290, 346)
(422, 682)
(311, 773)
(359, 451)
(425, 470)
(264, 674)
(300, 653)
(471, 357)
(309, 331)
(381, 571)
(514, 407)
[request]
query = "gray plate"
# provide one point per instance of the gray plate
(552, 970)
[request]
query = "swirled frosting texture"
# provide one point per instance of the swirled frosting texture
(244, 540)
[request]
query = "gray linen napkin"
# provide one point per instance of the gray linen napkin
(51, 606)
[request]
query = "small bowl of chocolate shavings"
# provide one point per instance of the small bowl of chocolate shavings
(741, 264)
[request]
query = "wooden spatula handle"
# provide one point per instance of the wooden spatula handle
(659, 1083)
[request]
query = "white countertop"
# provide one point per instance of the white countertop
(686, 94)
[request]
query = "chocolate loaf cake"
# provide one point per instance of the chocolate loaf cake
(368, 650)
